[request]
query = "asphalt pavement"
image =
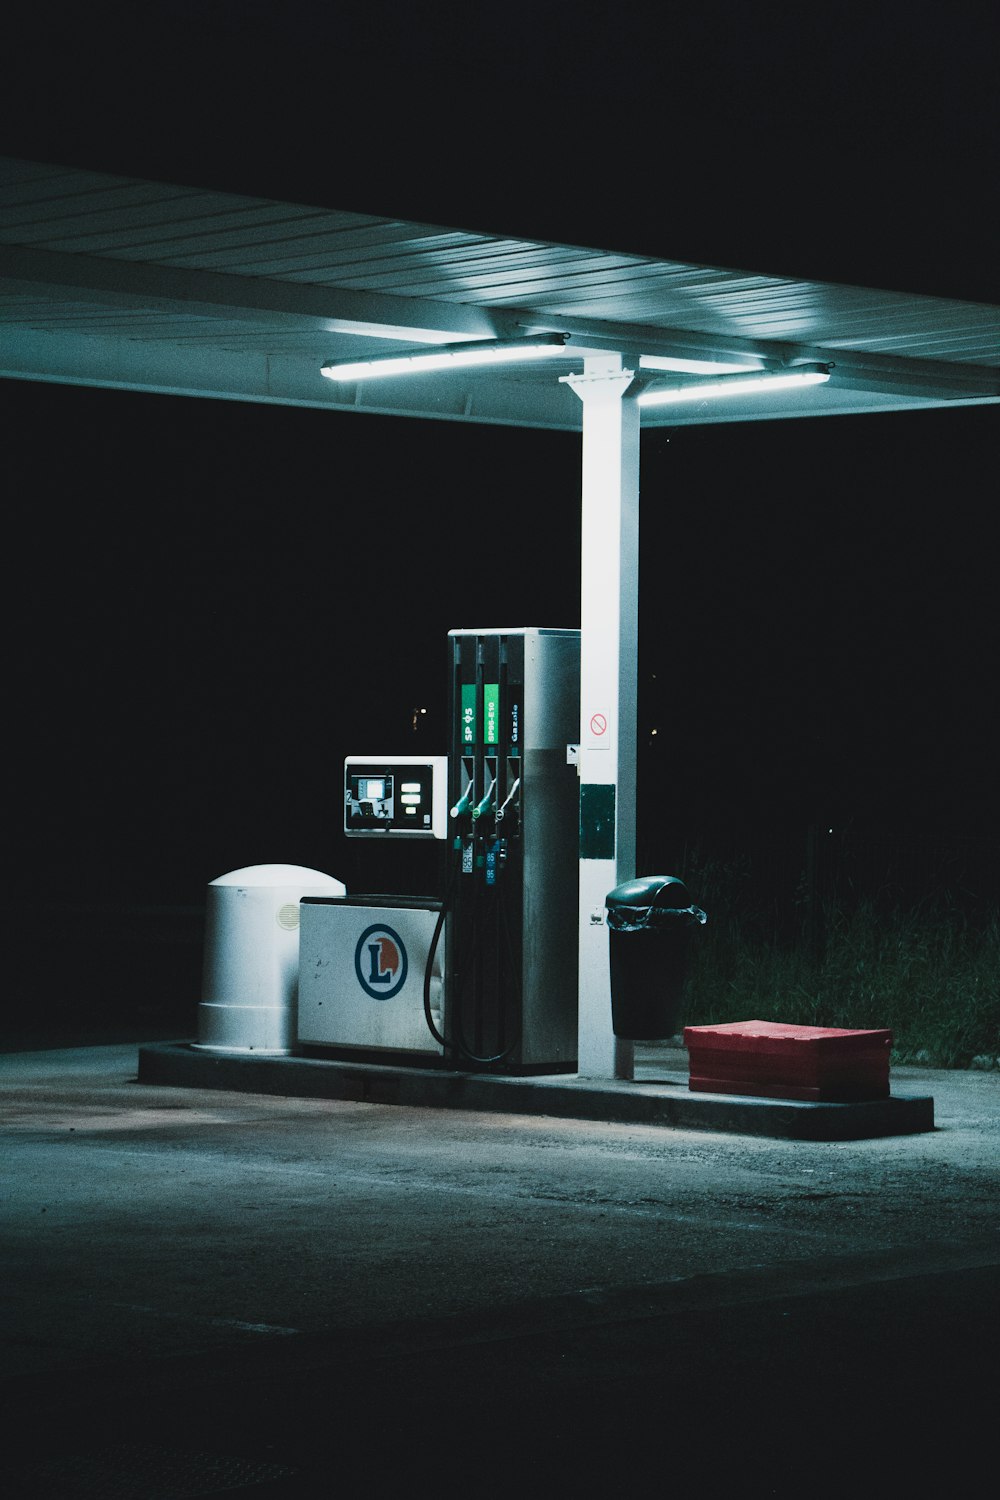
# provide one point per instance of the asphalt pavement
(220, 1292)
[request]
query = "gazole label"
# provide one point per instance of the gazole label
(515, 727)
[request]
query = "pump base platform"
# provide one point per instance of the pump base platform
(659, 1094)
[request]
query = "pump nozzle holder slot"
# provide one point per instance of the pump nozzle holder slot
(502, 809)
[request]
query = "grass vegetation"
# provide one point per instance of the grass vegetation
(929, 972)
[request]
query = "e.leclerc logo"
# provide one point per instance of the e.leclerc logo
(380, 962)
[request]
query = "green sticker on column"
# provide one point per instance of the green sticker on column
(597, 821)
(491, 713)
(467, 727)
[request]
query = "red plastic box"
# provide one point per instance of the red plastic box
(789, 1062)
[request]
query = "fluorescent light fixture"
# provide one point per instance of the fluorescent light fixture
(694, 366)
(450, 357)
(738, 385)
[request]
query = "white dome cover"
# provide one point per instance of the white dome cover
(279, 875)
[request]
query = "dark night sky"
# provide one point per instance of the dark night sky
(193, 646)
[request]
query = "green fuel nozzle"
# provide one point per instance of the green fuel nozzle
(487, 802)
(464, 803)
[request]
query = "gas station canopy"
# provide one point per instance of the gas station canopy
(145, 286)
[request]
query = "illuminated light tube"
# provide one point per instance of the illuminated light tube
(738, 385)
(694, 366)
(451, 357)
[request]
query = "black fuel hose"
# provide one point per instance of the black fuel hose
(463, 1050)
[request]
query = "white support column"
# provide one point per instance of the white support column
(609, 650)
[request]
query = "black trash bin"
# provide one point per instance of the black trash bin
(651, 924)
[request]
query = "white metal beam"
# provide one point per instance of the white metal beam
(609, 651)
(30, 270)
(204, 368)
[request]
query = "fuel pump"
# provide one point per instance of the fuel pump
(484, 976)
(512, 932)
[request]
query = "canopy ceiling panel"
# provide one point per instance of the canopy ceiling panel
(148, 286)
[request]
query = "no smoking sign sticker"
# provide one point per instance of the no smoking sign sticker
(598, 738)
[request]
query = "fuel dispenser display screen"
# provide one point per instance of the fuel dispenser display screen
(403, 795)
